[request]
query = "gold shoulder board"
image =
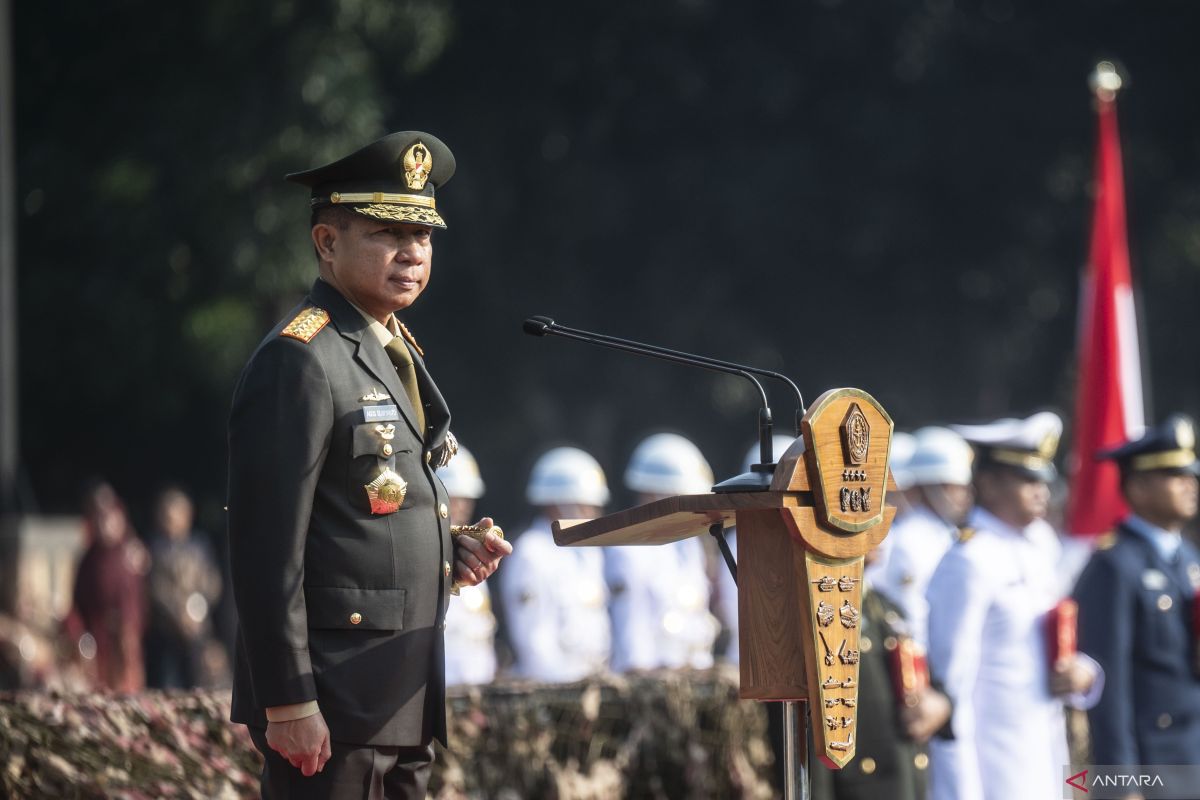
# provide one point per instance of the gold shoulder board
(1106, 541)
(407, 334)
(307, 324)
(965, 535)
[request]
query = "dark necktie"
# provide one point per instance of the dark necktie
(400, 356)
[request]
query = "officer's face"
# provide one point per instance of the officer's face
(379, 266)
(1015, 498)
(1164, 497)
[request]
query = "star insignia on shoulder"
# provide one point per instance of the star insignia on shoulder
(965, 535)
(307, 324)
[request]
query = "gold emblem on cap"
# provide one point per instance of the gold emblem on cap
(1185, 436)
(386, 492)
(1048, 446)
(417, 164)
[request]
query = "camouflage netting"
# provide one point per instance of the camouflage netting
(669, 735)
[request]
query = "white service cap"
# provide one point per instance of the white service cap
(461, 476)
(567, 475)
(667, 463)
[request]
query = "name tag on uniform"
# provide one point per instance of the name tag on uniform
(380, 413)
(1154, 580)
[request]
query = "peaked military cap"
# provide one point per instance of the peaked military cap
(1027, 445)
(1170, 445)
(392, 179)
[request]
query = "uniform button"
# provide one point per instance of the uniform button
(355, 618)
(446, 568)
(443, 625)
(890, 643)
(1164, 721)
(428, 456)
(1164, 602)
(920, 761)
(868, 765)
(445, 512)
(864, 645)
(387, 449)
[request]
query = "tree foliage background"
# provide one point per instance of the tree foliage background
(890, 195)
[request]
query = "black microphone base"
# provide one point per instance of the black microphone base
(746, 482)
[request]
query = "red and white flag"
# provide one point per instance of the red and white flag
(1108, 396)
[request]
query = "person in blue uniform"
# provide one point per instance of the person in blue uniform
(1137, 600)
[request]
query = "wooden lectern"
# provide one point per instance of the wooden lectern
(801, 544)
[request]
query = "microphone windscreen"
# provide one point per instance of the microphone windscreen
(538, 326)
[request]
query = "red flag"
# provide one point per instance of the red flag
(1108, 396)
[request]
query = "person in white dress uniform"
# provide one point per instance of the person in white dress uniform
(988, 600)
(727, 597)
(555, 598)
(470, 624)
(939, 478)
(659, 595)
(903, 447)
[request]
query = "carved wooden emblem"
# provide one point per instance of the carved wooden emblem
(856, 436)
(847, 436)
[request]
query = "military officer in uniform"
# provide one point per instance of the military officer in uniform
(470, 624)
(339, 530)
(1137, 607)
(555, 598)
(939, 487)
(988, 602)
(660, 596)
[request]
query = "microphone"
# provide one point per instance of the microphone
(760, 478)
(541, 326)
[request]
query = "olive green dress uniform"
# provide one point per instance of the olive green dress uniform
(339, 533)
(888, 764)
(337, 604)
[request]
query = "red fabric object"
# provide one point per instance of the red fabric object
(1062, 625)
(910, 670)
(1108, 395)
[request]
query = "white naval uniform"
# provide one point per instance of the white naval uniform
(659, 606)
(470, 637)
(987, 646)
(555, 601)
(919, 540)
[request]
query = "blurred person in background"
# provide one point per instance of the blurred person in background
(938, 478)
(659, 594)
(470, 624)
(1138, 607)
(893, 725)
(555, 598)
(184, 584)
(107, 620)
(901, 451)
(726, 589)
(989, 600)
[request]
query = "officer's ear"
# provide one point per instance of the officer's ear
(324, 238)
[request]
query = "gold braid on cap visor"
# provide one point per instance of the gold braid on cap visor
(416, 208)
(1018, 458)
(1171, 459)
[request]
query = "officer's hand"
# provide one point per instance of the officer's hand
(477, 561)
(925, 714)
(1071, 676)
(303, 742)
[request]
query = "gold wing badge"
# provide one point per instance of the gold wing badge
(417, 164)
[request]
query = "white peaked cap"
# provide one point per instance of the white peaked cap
(461, 476)
(567, 475)
(667, 463)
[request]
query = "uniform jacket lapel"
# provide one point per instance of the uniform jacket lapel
(1176, 572)
(437, 413)
(368, 352)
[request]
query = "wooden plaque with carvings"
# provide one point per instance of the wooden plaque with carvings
(801, 545)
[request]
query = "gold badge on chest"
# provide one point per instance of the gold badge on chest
(386, 492)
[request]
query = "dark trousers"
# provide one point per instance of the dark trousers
(353, 772)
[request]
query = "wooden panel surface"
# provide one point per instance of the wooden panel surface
(772, 645)
(668, 520)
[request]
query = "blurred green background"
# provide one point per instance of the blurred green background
(892, 195)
